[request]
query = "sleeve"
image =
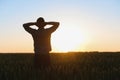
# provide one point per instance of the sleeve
(51, 29)
(29, 29)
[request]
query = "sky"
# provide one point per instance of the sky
(85, 25)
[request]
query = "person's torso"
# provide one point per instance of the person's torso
(42, 40)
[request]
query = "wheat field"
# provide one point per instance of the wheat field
(70, 66)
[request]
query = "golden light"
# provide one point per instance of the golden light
(67, 39)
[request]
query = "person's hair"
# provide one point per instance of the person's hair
(40, 19)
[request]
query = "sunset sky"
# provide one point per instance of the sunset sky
(85, 25)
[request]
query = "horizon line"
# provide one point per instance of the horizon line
(65, 52)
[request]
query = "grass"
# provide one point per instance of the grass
(71, 66)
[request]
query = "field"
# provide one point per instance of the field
(71, 66)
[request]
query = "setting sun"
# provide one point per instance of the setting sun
(68, 39)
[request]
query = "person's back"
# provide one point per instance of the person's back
(41, 38)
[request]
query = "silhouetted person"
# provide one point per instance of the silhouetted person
(41, 37)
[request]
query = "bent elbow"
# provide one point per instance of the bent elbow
(57, 24)
(24, 25)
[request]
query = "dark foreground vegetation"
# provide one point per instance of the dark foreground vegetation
(71, 66)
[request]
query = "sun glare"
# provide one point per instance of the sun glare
(68, 39)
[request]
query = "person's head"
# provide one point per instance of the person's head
(40, 22)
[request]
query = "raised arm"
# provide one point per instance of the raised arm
(28, 28)
(53, 27)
